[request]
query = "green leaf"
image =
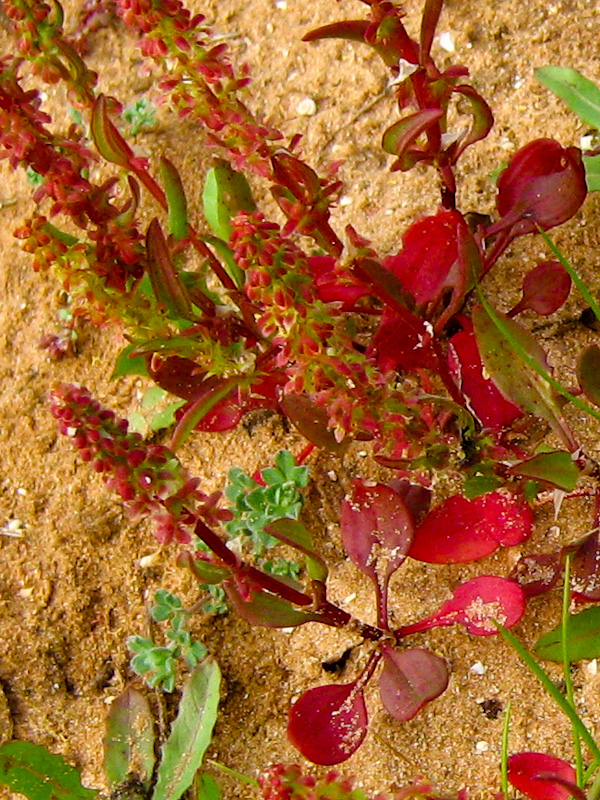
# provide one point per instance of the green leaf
(235, 273)
(109, 142)
(166, 282)
(191, 733)
(556, 468)
(402, 134)
(592, 172)
(509, 354)
(226, 192)
(268, 610)
(129, 739)
(207, 788)
(580, 94)
(588, 373)
(476, 485)
(129, 365)
(176, 201)
(166, 417)
(583, 638)
(31, 770)
(296, 535)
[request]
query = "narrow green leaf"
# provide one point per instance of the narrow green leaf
(129, 739)
(556, 468)
(588, 373)
(501, 339)
(31, 770)
(579, 93)
(191, 733)
(176, 200)
(583, 638)
(199, 409)
(226, 192)
(232, 269)
(267, 610)
(109, 142)
(402, 134)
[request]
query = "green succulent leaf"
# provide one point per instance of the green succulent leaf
(176, 200)
(31, 770)
(183, 752)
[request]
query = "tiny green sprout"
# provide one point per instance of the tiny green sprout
(158, 665)
(140, 116)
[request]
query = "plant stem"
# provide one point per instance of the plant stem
(585, 292)
(566, 601)
(504, 762)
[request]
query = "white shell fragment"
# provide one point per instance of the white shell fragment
(306, 107)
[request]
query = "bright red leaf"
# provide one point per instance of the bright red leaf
(328, 724)
(542, 777)
(461, 530)
(477, 604)
(409, 680)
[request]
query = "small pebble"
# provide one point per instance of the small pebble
(306, 107)
(447, 42)
(345, 200)
(332, 475)
(281, 4)
(478, 668)
(592, 667)
(482, 747)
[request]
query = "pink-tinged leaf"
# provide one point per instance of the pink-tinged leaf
(329, 723)
(416, 498)
(398, 346)
(409, 680)
(461, 530)
(483, 397)
(542, 777)
(377, 529)
(312, 422)
(537, 573)
(588, 373)
(166, 283)
(483, 120)
(556, 468)
(179, 376)
(519, 382)
(350, 29)
(402, 134)
(543, 186)
(477, 604)
(109, 142)
(197, 412)
(545, 289)
(431, 14)
(267, 610)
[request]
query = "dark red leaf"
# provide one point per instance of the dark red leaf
(537, 573)
(484, 398)
(588, 373)
(416, 498)
(409, 680)
(329, 723)
(377, 529)
(477, 604)
(461, 530)
(543, 185)
(179, 376)
(397, 345)
(267, 610)
(545, 289)
(312, 422)
(525, 771)
(585, 570)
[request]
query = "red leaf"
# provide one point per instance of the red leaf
(377, 529)
(267, 610)
(409, 680)
(543, 185)
(329, 723)
(525, 771)
(486, 401)
(461, 530)
(586, 569)
(545, 289)
(398, 345)
(537, 573)
(477, 604)
(588, 373)
(313, 422)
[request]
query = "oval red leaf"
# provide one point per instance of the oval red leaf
(542, 777)
(328, 724)
(409, 680)
(461, 530)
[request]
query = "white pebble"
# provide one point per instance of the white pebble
(592, 667)
(306, 107)
(482, 747)
(447, 42)
(478, 668)
(345, 200)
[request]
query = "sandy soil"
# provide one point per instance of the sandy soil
(71, 585)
